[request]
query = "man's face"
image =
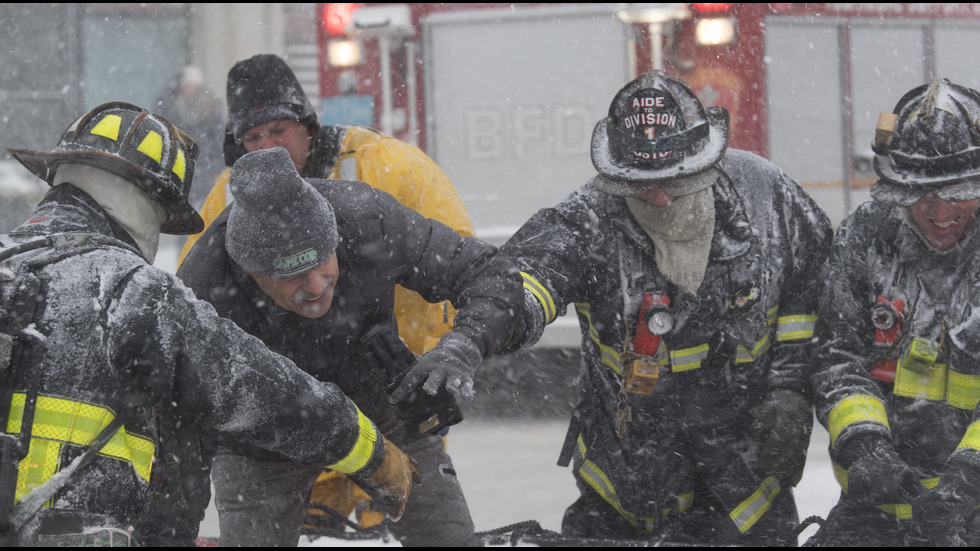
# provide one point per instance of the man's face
(309, 294)
(292, 135)
(655, 196)
(942, 223)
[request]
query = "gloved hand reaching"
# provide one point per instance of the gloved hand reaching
(880, 477)
(940, 515)
(783, 425)
(451, 364)
(391, 483)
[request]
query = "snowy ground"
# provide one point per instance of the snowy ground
(509, 473)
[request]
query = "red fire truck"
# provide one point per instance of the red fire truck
(504, 96)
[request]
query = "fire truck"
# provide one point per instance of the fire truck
(504, 97)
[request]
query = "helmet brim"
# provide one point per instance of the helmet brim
(182, 218)
(904, 195)
(675, 180)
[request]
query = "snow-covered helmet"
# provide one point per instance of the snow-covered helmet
(658, 132)
(135, 144)
(930, 143)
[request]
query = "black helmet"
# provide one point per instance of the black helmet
(930, 143)
(263, 89)
(135, 144)
(657, 132)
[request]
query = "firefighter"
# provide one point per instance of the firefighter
(694, 273)
(898, 377)
(267, 107)
(309, 266)
(111, 356)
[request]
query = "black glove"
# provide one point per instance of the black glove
(452, 363)
(783, 424)
(939, 517)
(880, 477)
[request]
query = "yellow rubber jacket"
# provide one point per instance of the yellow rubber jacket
(407, 173)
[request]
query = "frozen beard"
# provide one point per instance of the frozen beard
(125, 201)
(681, 234)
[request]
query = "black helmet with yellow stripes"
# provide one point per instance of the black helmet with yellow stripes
(135, 144)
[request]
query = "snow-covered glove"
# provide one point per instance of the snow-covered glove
(391, 483)
(451, 364)
(940, 515)
(783, 425)
(528, 326)
(879, 476)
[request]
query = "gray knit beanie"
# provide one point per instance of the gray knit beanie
(279, 225)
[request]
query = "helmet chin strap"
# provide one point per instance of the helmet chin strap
(125, 201)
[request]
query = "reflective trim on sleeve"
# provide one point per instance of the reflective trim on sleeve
(607, 354)
(930, 385)
(543, 296)
(962, 391)
(751, 510)
(363, 449)
(858, 408)
(793, 328)
(687, 359)
(59, 422)
(971, 440)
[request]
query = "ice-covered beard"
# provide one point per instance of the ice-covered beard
(302, 296)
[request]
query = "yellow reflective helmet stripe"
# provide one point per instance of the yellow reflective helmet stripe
(180, 164)
(58, 422)
(108, 127)
(858, 408)
(540, 293)
(363, 449)
(152, 146)
(792, 328)
(751, 510)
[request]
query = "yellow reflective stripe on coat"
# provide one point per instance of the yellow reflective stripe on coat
(59, 421)
(363, 449)
(744, 355)
(858, 408)
(609, 355)
(962, 391)
(930, 385)
(598, 481)
(751, 510)
(793, 328)
(971, 440)
(543, 296)
(687, 359)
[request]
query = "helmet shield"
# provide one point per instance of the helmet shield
(931, 143)
(135, 144)
(657, 132)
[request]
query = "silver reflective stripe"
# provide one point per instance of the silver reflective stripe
(688, 358)
(790, 328)
(751, 510)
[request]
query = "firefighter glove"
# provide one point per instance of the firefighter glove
(880, 477)
(391, 482)
(451, 364)
(940, 515)
(783, 426)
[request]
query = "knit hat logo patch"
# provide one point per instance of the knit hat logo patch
(298, 262)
